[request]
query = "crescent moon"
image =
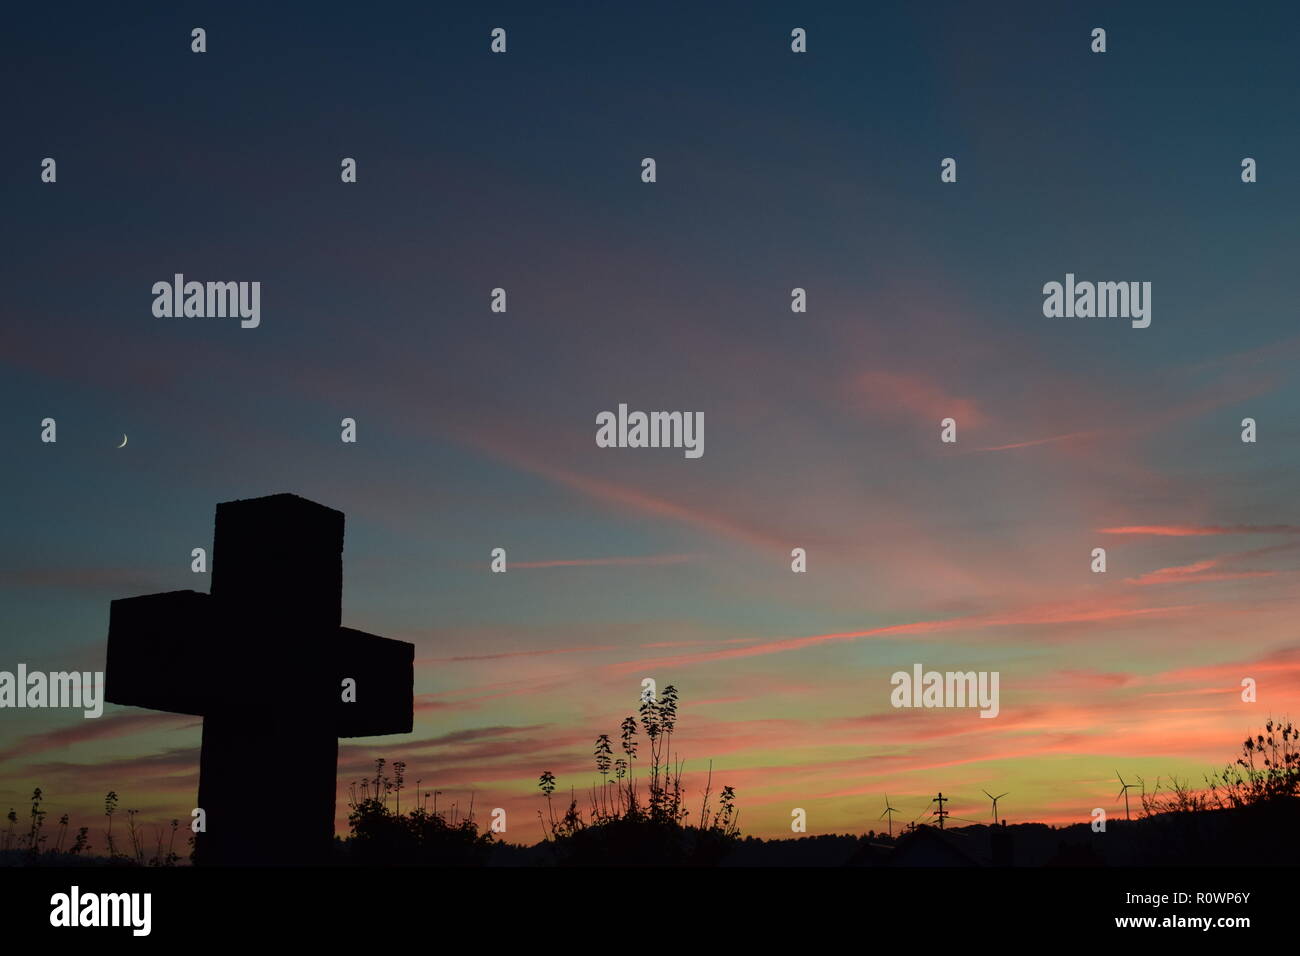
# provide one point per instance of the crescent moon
(123, 445)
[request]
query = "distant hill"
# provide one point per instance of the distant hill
(1261, 835)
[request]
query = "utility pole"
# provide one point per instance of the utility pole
(941, 813)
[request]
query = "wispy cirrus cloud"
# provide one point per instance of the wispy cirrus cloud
(504, 655)
(1042, 615)
(1197, 572)
(1189, 530)
(891, 394)
(96, 580)
(1071, 436)
(648, 560)
(623, 496)
(1284, 661)
(100, 728)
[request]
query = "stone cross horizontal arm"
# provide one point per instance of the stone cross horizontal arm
(168, 652)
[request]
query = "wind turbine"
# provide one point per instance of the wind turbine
(890, 811)
(995, 804)
(1123, 792)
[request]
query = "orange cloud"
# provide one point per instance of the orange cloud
(1183, 531)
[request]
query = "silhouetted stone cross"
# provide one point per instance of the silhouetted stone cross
(263, 659)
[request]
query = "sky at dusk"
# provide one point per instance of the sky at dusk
(476, 429)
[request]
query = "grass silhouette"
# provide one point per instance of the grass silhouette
(625, 826)
(1247, 812)
(386, 836)
(32, 846)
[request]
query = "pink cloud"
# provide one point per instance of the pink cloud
(651, 559)
(1182, 531)
(1042, 441)
(101, 728)
(1059, 614)
(892, 393)
(461, 658)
